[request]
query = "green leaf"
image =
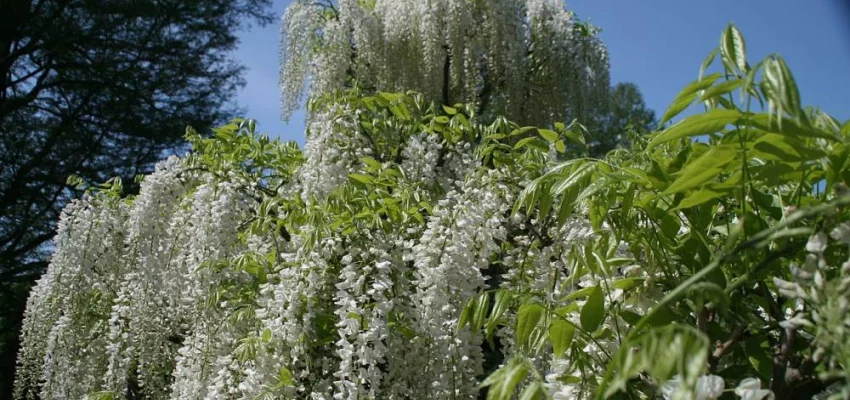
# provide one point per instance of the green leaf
(627, 283)
(76, 181)
(534, 391)
(687, 96)
(545, 204)
(772, 124)
(581, 293)
(523, 130)
(532, 142)
(267, 335)
(783, 91)
(597, 212)
(561, 334)
(504, 381)
(371, 163)
(575, 137)
(481, 308)
(701, 196)
(845, 129)
(549, 135)
(247, 349)
(677, 106)
(824, 121)
(558, 170)
(503, 301)
(598, 185)
(703, 169)
(560, 146)
(593, 312)
(712, 292)
(670, 225)
(760, 357)
(567, 202)
(707, 62)
(285, 378)
(721, 89)
(466, 314)
(360, 178)
(784, 148)
(527, 318)
(733, 49)
(528, 196)
(575, 177)
(630, 317)
(661, 353)
(460, 118)
(449, 110)
(390, 97)
(701, 124)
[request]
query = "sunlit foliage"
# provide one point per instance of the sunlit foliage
(411, 251)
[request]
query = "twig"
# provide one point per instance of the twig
(724, 347)
(780, 362)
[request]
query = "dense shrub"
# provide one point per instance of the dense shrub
(412, 252)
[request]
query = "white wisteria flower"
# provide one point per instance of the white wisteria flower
(450, 51)
(708, 387)
(750, 389)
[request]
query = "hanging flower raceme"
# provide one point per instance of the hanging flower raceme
(331, 153)
(449, 260)
(529, 60)
(64, 331)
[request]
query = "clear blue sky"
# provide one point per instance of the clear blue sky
(658, 44)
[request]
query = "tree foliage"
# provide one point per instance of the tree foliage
(736, 229)
(625, 114)
(98, 89)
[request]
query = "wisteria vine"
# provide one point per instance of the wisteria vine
(413, 252)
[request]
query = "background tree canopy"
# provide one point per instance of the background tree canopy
(98, 89)
(625, 111)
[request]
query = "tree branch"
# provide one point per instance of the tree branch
(736, 335)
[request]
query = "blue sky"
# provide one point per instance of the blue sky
(658, 44)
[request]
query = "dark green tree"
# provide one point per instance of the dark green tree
(625, 112)
(98, 88)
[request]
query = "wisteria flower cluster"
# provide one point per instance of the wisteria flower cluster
(529, 60)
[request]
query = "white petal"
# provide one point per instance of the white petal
(710, 387)
(842, 233)
(750, 389)
(669, 388)
(817, 243)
